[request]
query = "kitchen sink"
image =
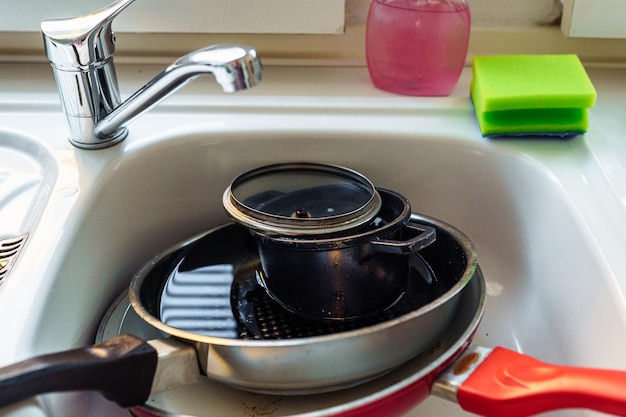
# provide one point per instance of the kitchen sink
(27, 173)
(552, 288)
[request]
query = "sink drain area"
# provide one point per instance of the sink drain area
(9, 251)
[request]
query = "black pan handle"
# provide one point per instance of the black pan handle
(423, 236)
(121, 368)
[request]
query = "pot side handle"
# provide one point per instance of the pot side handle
(121, 368)
(515, 385)
(425, 236)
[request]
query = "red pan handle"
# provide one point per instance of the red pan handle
(508, 383)
(122, 368)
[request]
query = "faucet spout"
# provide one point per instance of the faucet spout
(81, 49)
(234, 67)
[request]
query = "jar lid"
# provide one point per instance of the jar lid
(297, 199)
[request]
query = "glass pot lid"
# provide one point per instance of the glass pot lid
(299, 199)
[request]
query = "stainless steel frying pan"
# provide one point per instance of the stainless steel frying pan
(127, 369)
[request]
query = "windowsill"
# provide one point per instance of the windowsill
(334, 50)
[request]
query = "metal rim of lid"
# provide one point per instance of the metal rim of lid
(271, 224)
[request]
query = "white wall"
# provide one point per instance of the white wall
(188, 16)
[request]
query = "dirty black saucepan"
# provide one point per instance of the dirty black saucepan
(501, 382)
(331, 245)
(347, 277)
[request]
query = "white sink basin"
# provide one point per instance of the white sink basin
(534, 216)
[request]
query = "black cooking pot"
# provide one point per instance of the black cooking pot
(344, 273)
(349, 276)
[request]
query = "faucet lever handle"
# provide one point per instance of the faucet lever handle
(84, 40)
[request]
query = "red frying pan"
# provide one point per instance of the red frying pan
(489, 382)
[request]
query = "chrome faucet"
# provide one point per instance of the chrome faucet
(80, 50)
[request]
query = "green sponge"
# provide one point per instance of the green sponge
(531, 95)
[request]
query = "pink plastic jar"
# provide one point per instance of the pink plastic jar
(417, 47)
